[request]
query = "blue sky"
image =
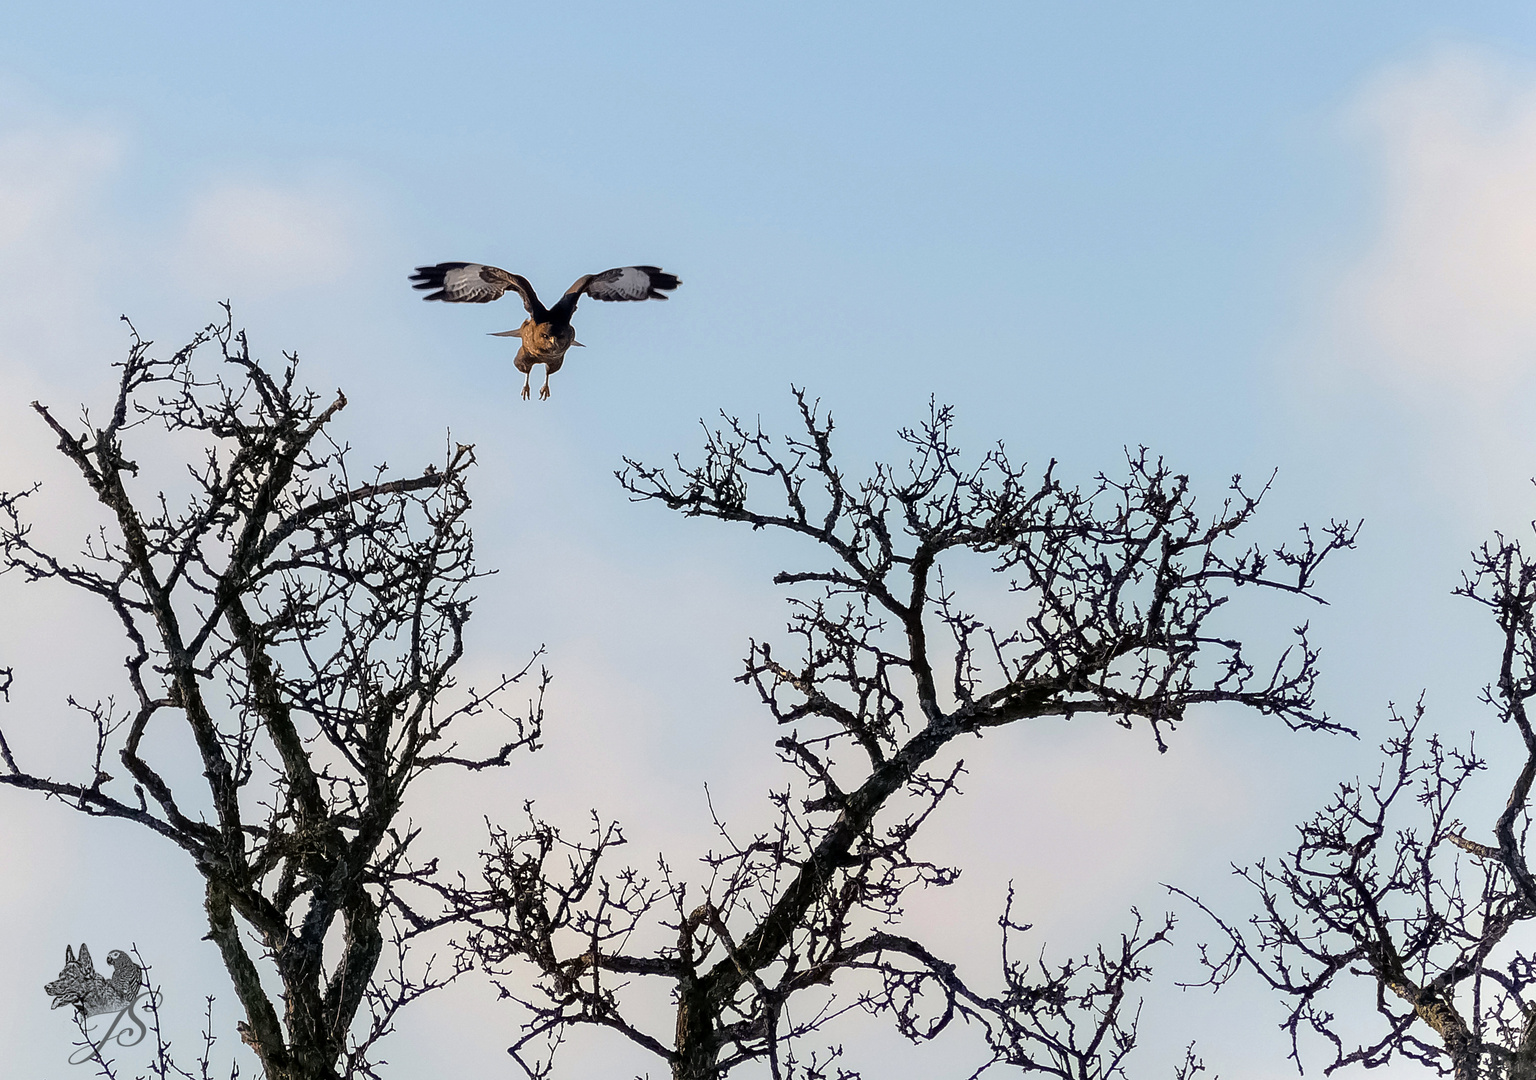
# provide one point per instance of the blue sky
(1300, 236)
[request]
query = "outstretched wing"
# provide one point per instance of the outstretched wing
(627, 283)
(473, 283)
(620, 283)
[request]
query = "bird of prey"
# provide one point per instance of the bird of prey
(546, 334)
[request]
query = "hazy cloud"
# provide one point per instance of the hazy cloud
(52, 175)
(247, 238)
(1444, 295)
(44, 174)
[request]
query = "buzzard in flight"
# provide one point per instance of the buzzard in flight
(546, 333)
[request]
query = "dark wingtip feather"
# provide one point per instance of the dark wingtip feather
(660, 279)
(431, 277)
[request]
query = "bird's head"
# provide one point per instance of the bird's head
(552, 337)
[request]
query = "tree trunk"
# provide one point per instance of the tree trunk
(1522, 1065)
(698, 1052)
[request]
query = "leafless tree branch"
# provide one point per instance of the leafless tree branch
(1117, 588)
(1387, 885)
(300, 629)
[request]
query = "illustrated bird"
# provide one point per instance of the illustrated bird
(546, 334)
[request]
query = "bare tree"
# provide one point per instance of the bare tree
(1118, 587)
(298, 629)
(1387, 887)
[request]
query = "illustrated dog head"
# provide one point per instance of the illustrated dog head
(76, 981)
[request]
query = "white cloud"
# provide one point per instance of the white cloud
(1445, 297)
(244, 238)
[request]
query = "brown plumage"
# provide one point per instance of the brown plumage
(546, 334)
